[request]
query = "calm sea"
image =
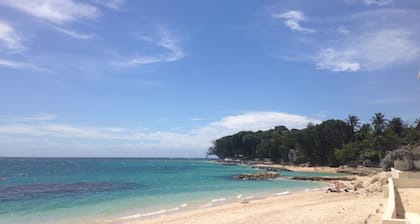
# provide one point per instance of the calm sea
(122, 190)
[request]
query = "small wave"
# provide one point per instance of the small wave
(173, 209)
(154, 213)
(184, 205)
(218, 199)
(132, 216)
(136, 216)
(206, 205)
(281, 193)
(239, 196)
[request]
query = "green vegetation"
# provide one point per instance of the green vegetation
(332, 142)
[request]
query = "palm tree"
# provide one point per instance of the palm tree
(353, 123)
(364, 131)
(379, 123)
(396, 125)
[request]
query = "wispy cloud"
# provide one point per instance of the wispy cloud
(112, 4)
(9, 39)
(75, 34)
(343, 30)
(39, 117)
(391, 101)
(372, 2)
(59, 12)
(372, 50)
(380, 38)
(54, 11)
(164, 40)
(22, 65)
(337, 61)
(12, 64)
(197, 139)
(378, 2)
(292, 20)
(199, 119)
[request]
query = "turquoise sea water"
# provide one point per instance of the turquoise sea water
(123, 190)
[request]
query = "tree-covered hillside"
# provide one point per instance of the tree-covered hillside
(332, 142)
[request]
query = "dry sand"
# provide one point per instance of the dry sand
(410, 198)
(321, 169)
(306, 207)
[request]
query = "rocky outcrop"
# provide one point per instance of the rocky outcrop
(369, 185)
(270, 168)
(257, 176)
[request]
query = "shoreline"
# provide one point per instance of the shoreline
(319, 169)
(210, 205)
(296, 207)
(291, 207)
(279, 167)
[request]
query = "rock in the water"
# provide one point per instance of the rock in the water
(257, 176)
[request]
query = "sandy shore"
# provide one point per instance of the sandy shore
(320, 169)
(305, 207)
(366, 205)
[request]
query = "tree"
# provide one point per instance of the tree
(268, 149)
(331, 142)
(354, 122)
(379, 123)
(250, 143)
(363, 132)
(396, 126)
(349, 153)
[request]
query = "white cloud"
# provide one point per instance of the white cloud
(330, 59)
(165, 40)
(378, 2)
(40, 117)
(22, 65)
(380, 38)
(254, 121)
(9, 39)
(75, 34)
(199, 119)
(343, 30)
(292, 20)
(55, 11)
(122, 138)
(372, 2)
(371, 50)
(112, 4)
(12, 64)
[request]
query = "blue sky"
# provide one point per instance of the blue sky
(164, 78)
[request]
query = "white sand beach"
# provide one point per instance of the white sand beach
(305, 207)
(366, 205)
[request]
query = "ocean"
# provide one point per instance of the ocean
(60, 190)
